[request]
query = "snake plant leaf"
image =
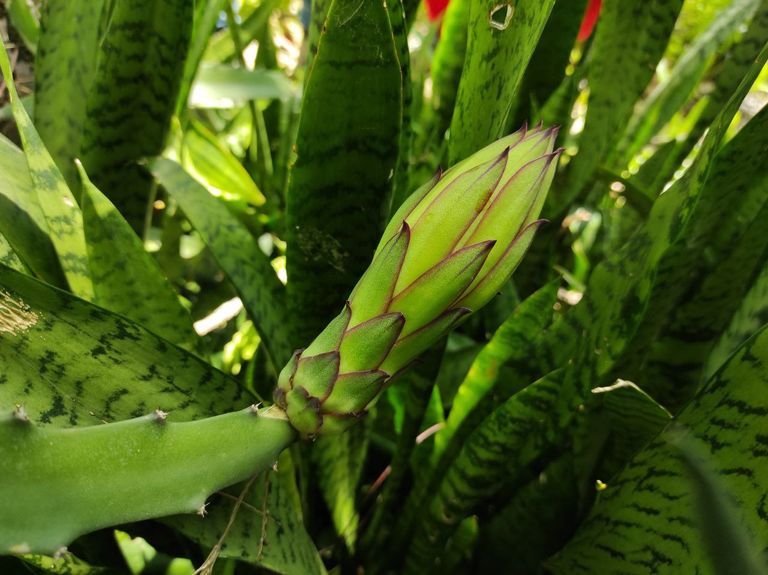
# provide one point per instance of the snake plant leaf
(511, 340)
(669, 96)
(64, 68)
(60, 483)
(56, 370)
(8, 257)
(235, 250)
(338, 463)
(65, 222)
(516, 433)
(501, 39)
(653, 495)
(140, 67)
(126, 279)
(215, 166)
(628, 44)
(366, 345)
(346, 151)
(21, 220)
(448, 61)
(268, 529)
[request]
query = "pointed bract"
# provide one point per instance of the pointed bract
(366, 345)
(317, 373)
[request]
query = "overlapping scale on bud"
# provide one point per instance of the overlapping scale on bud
(447, 251)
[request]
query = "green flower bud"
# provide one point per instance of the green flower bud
(447, 251)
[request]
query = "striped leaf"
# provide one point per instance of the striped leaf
(126, 279)
(629, 42)
(498, 452)
(66, 61)
(268, 529)
(65, 375)
(8, 257)
(58, 205)
(238, 254)
(21, 219)
(346, 151)
(132, 97)
(500, 42)
(645, 521)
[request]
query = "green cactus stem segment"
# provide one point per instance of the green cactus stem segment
(58, 484)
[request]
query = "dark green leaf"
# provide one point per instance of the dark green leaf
(132, 98)
(346, 152)
(629, 42)
(268, 529)
(64, 68)
(645, 520)
(502, 37)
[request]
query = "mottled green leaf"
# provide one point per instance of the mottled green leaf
(126, 279)
(511, 341)
(268, 529)
(499, 451)
(21, 220)
(65, 222)
(645, 521)
(346, 152)
(237, 253)
(501, 39)
(63, 564)
(64, 68)
(8, 257)
(629, 42)
(132, 97)
(69, 362)
(546, 70)
(339, 461)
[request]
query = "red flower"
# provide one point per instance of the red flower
(590, 19)
(435, 8)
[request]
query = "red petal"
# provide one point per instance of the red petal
(435, 8)
(590, 19)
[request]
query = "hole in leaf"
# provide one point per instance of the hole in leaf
(501, 15)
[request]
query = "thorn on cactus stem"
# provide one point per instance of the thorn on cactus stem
(61, 552)
(274, 466)
(202, 511)
(160, 415)
(255, 408)
(20, 413)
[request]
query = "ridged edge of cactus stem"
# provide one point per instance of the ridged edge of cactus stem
(57, 484)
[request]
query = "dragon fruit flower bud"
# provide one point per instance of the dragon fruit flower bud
(446, 252)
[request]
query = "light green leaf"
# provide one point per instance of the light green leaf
(126, 279)
(216, 167)
(57, 203)
(237, 253)
(222, 86)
